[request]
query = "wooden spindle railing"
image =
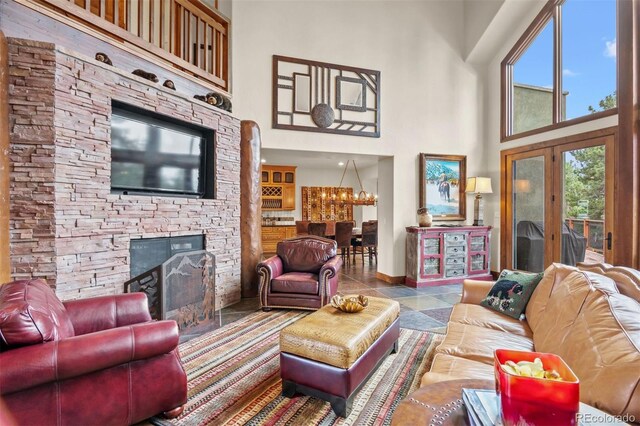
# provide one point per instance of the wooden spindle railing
(195, 36)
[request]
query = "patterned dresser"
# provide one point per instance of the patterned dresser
(445, 255)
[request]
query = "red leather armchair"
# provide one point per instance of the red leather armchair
(303, 274)
(92, 361)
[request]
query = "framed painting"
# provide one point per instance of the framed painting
(442, 181)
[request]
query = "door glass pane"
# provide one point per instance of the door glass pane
(588, 57)
(583, 204)
(528, 214)
(533, 84)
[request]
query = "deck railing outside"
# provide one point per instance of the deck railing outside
(592, 229)
(187, 33)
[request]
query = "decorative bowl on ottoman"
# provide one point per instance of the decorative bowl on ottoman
(350, 303)
(529, 400)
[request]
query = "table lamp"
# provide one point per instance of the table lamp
(478, 186)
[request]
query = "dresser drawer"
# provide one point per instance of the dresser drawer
(455, 271)
(431, 246)
(455, 239)
(456, 260)
(455, 250)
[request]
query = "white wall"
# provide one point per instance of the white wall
(430, 98)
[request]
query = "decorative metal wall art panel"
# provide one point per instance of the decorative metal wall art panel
(321, 97)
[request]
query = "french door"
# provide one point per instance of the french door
(557, 204)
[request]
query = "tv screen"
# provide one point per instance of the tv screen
(149, 155)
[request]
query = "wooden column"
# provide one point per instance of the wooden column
(250, 207)
(627, 169)
(5, 266)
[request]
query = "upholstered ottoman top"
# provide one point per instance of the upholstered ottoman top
(338, 338)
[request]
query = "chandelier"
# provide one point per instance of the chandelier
(362, 198)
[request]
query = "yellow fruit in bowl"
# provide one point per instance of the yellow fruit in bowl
(530, 369)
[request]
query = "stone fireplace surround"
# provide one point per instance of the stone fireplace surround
(66, 226)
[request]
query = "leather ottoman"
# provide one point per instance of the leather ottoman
(330, 354)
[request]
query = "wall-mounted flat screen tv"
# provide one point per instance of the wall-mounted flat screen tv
(153, 154)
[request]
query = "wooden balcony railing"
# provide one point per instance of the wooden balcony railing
(190, 35)
(592, 229)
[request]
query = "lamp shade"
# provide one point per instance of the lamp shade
(479, 185)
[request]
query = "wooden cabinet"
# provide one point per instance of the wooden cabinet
(278, 187)
(271, 235)
(445, 255)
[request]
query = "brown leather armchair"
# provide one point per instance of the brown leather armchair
(303, 274)
(92, 361)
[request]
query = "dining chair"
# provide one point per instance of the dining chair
(344, 232)
(302, 227)
(368, 241)
(318, 229)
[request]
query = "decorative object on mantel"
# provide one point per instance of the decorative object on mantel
(169, 84)
(146, 75)
(317, 96)
(216, 100)
(424, 217)
(478, 186)
(316, 204)
(349, 304)
(362, 198)
(442, 181)
(102, 57)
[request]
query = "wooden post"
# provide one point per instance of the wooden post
(5, 264)
(250, 207)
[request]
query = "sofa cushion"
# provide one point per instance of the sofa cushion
(511, 293)
(295, 282)
(596, 331)
(305, 254)
(465, 313)
(449, 367)
(535, 311)
(564, 305)
(478, 343)
(30, 313)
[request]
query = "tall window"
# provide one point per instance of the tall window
(563, 69)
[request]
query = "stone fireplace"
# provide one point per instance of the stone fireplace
(67, 226)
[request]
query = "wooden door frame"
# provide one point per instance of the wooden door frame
(543, 148)
(506, 234)
(609, 224)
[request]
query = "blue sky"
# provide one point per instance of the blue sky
(589, 62)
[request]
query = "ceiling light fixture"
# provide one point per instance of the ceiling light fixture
(362, 198)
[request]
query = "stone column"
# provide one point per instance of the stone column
(5, 266)
(250, 207)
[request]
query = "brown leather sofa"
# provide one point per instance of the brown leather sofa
(589, 316)
(303, 274)
(85, 362)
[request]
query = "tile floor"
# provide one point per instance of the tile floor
(424, 309)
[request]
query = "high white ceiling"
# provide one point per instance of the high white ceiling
(318, 160)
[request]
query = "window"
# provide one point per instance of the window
(533, 84)
(563, 69)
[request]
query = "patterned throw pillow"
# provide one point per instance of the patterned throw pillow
(511, 293)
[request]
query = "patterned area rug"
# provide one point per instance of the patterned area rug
(234, 378)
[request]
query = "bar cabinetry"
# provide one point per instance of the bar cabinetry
(272, 235)
(445, 255)
(278, 184)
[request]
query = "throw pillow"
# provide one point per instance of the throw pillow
(30, 313)
(511, 293)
